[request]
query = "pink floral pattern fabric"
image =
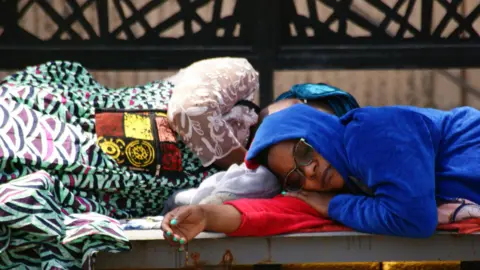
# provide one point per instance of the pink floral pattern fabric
(202, 108)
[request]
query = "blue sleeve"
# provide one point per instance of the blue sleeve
(392, 152)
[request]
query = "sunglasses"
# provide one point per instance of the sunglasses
(303, 156)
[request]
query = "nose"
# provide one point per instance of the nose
(309, 170)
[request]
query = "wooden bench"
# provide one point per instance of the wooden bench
(151, 251)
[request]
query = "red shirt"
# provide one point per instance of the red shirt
(280, 215)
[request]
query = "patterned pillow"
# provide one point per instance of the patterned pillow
(140, 140)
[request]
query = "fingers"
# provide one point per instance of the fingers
(166, 228)
(171, 232)
(179, 215)
(174, 242)
(168, 236)
(177, 218)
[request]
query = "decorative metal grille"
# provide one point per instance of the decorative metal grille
(273, 34)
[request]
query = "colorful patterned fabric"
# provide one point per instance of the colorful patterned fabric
(47, 136)
(140, 140)
(37, 231)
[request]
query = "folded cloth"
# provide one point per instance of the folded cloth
(147, 223)
(236, 183)
(467, 226)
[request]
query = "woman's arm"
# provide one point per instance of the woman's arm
(244, 217)
(204, 95)
(393, 152)
(221, 218)
(264, 217)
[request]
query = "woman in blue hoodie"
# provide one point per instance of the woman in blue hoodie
(379, 170)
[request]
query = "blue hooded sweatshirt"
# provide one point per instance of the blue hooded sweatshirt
(407, 157)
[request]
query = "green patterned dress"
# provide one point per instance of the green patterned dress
(58, 188)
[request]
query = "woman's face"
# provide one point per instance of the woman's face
(299, 166)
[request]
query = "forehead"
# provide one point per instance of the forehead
(280, 157)
(278, 106)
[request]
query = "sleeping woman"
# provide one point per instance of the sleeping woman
(74, 154)
(379, 170)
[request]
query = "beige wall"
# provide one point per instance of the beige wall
(373, 87)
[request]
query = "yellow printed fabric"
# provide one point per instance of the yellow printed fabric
(138, 126)
(142, 141)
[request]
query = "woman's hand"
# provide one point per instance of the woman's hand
(183, 223)
(318, 200)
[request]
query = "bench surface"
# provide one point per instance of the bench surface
(150, 250)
